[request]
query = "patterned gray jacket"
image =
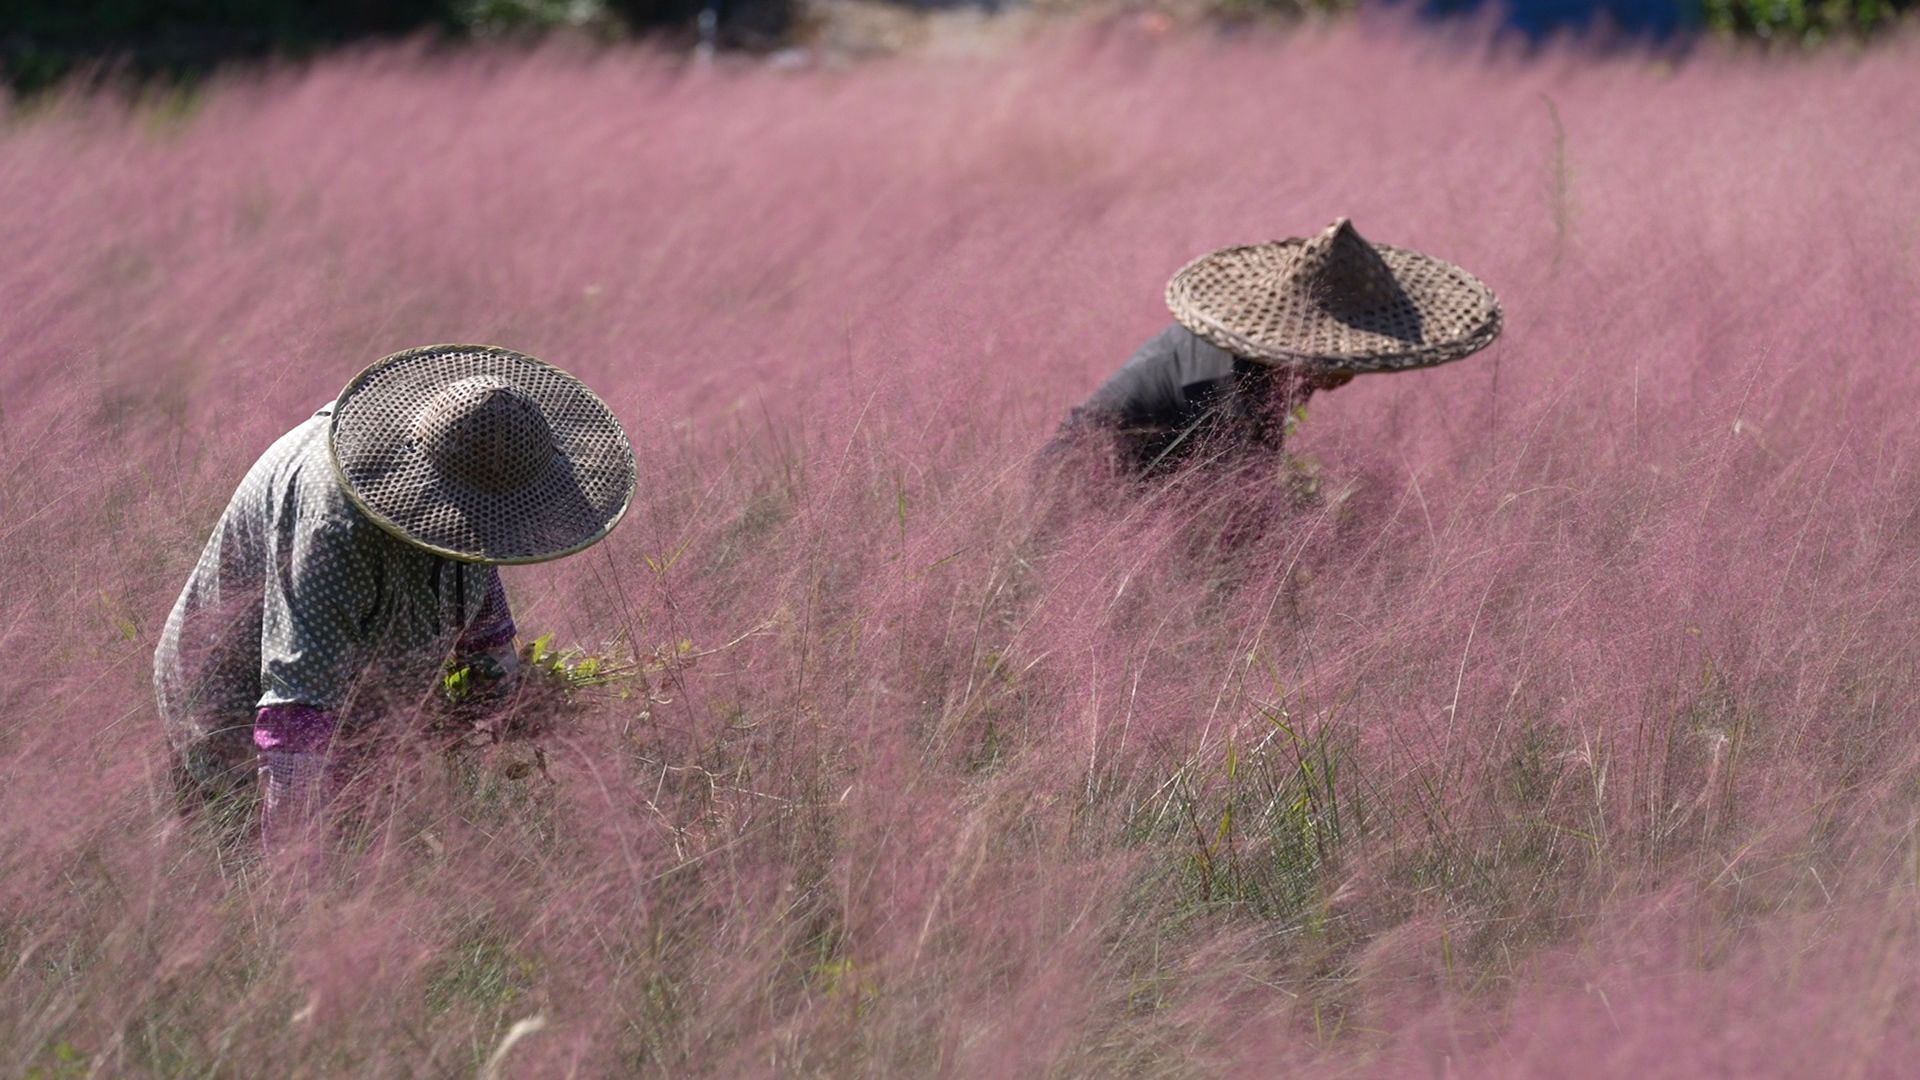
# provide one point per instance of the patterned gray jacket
(301, 611)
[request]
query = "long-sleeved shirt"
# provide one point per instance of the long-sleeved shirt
(301, 607)
(1181, 394)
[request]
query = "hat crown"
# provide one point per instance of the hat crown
(1342, 272)
(1334, 301)
(486, 434)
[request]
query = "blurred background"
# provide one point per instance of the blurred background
(43, 41)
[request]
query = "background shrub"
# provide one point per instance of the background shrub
(1802, 22)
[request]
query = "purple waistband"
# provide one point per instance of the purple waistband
(297, 729)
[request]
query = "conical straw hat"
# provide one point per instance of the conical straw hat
(481, 454)
(1335, 302)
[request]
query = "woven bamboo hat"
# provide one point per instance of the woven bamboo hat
(481, 454)
(1335, 302)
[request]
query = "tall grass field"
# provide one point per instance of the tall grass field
(1551, 713)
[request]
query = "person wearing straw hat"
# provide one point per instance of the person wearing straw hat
(1259, 329)
(360, 552)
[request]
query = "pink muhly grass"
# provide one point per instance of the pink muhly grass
(1556, 721)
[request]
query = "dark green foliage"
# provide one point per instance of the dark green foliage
(45, 41)
(747, 24)
(1804, 21)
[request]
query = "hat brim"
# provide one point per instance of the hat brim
(575, 502)
(1439, 313)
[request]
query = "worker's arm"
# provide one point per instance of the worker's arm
(485, 647)
(322, 592)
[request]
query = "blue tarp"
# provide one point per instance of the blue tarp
(1658, 19)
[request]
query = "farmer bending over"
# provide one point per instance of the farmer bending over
(1258, 329)
(359, 554)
